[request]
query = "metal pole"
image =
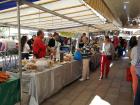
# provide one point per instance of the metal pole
(9, 32)
(2, 2)
(19, 37)
(87, 31)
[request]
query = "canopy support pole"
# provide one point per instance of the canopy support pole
(9, 32)
(2, 2)
(19, 52)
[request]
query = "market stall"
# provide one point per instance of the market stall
(42, 84)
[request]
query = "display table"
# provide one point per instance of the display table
(10, 92)
(43, 84)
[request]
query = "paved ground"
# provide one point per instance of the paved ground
(114, 90)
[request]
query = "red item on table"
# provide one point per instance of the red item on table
(4, 76)
(39, 48)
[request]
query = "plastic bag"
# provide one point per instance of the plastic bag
(77, 56)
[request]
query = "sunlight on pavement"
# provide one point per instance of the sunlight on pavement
(99, 101)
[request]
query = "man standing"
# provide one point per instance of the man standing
(51, 47)
(31, 41)
(39, 48)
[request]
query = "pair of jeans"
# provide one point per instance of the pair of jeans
(105, 62)
(137, 97)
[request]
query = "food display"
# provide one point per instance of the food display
(37, 64)
(67, 57)
(41, 64)
(24, 62)
(31, 66)
(4, 77)
(50, 63)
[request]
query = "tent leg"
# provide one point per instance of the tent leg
(19, 37)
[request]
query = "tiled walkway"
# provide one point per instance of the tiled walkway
(114, 90)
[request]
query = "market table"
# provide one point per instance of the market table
(43, 84)
(10, 92)
(73, 71)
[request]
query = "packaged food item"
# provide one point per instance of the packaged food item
(68, 57)
(41, 64)
(50, 63)
(31, 66)
(24, 62)
(33, 60)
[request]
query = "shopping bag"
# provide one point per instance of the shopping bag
(78, 56)
(128, 75)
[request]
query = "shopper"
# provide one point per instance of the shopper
(133, 57)
(51, 42)
(106, 57)
(120, 48)
(116, 45)
(58, 38)
(81, 43)
(132, 43)
(136, 62)
(52, 47)
(39, 48)
(31, 41)
(125, 45)
(116, 42)
(86, 52)
(24, 48)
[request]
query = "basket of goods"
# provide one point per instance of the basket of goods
(4, 77)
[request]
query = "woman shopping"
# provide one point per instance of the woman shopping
(136, 62)
(86, 52)
(133, 57)
(25, 49)
(107, 51)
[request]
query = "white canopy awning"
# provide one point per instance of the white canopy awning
(77, 10)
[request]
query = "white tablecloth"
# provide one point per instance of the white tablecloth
(42, 85)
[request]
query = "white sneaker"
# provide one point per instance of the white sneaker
(81, 79)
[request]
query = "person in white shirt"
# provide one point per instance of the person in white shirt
(25, 49)
(107, 51)
(133, 57)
